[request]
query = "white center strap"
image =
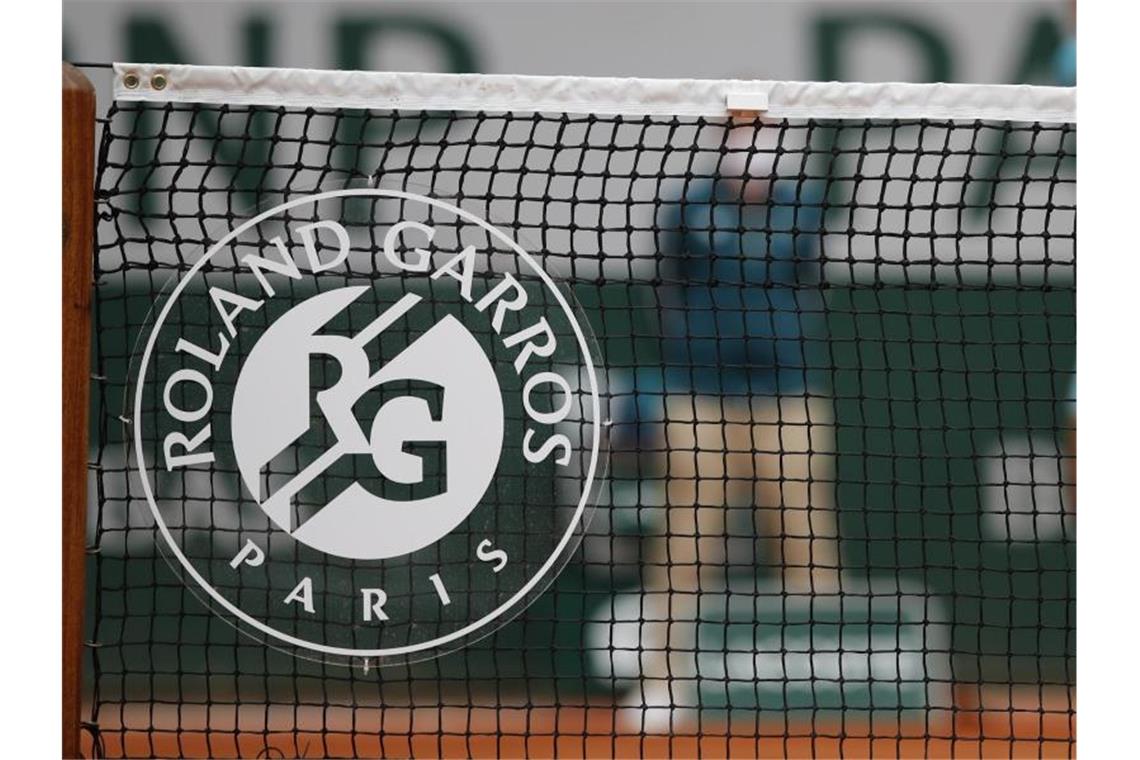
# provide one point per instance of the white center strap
(304, 88)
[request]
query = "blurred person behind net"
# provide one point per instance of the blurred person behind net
(745, 422)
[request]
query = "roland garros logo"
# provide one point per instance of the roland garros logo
(356, 438)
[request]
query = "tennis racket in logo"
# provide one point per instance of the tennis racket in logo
(365, 437)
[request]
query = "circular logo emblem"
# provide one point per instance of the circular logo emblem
(367, 424)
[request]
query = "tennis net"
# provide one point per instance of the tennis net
(782, 387)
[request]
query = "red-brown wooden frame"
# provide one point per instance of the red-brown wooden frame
(78, 250)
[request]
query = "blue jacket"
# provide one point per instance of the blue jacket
(741, 294)
(741, 312)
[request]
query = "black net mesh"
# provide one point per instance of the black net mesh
(836, 363)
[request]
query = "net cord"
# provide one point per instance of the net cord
(251, 86)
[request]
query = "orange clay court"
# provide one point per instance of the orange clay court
(1025, 723)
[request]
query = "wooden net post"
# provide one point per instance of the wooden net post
(78, 251)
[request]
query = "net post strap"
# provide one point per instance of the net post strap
(251, 86)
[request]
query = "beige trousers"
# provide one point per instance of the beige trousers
(773, 453)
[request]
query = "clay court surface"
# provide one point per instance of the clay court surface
(1023, 723)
